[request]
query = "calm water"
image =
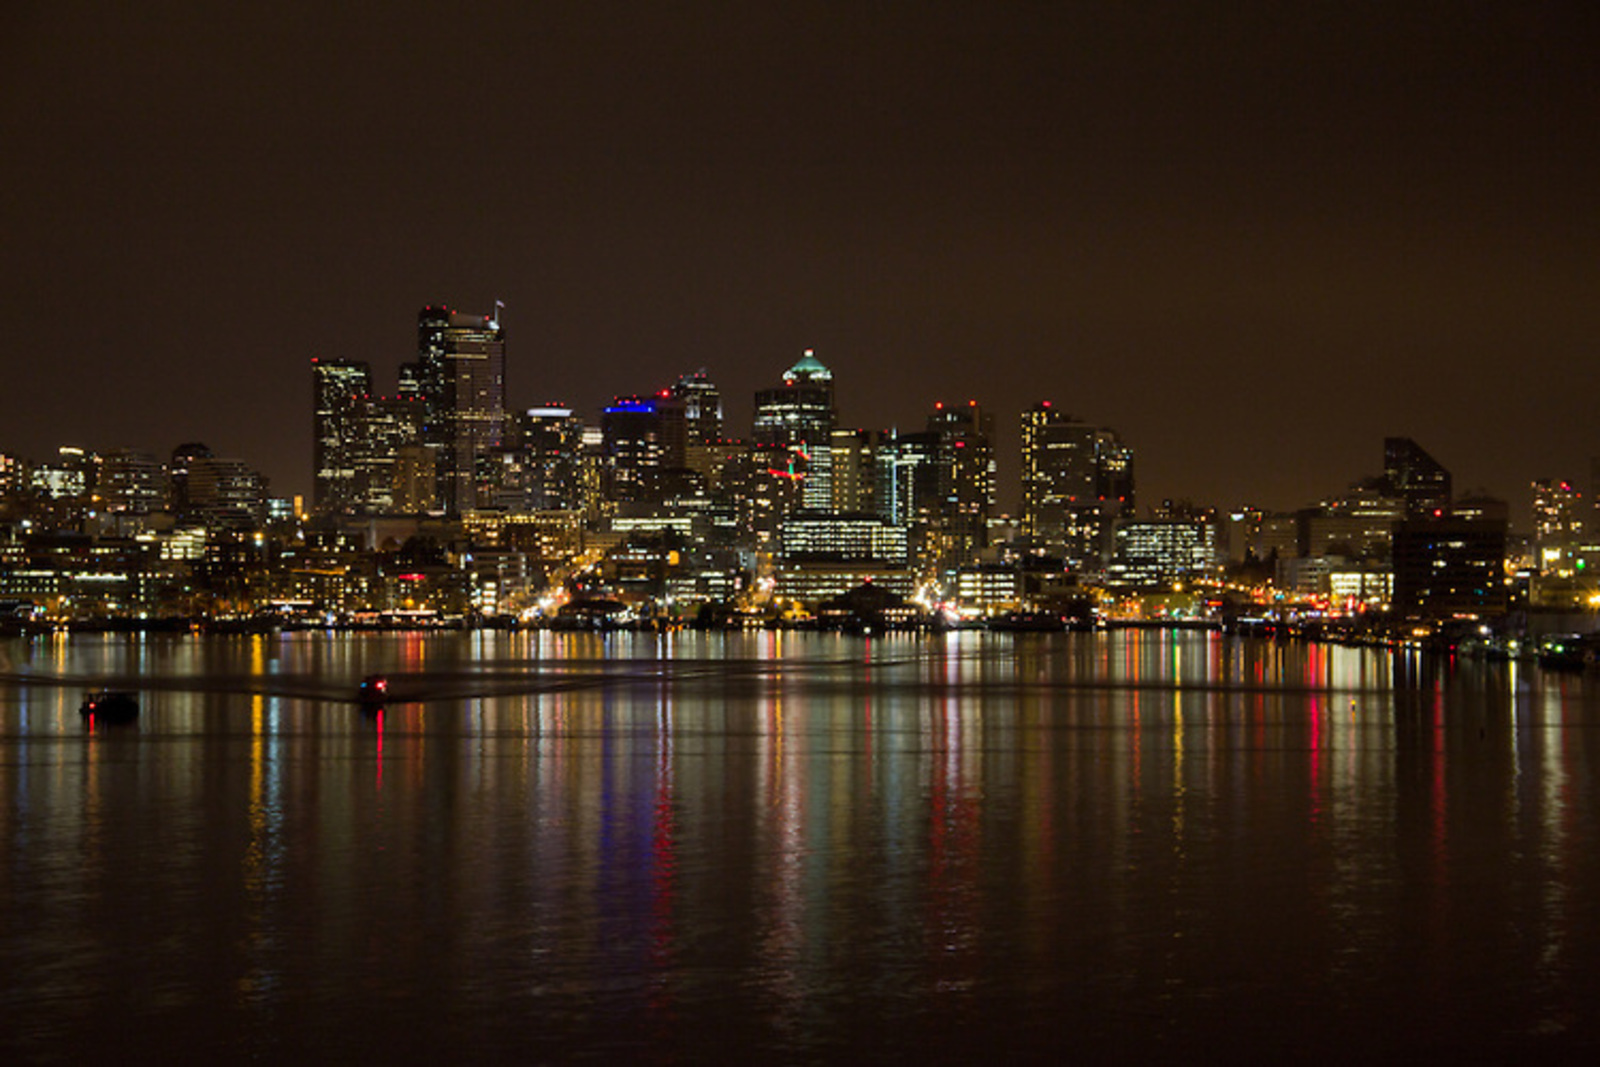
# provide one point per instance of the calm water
(777, 847)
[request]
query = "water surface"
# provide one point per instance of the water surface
(794, 847)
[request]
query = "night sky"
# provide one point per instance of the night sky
(1255, 237)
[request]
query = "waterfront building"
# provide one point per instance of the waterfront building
(824, 536)
(990, 588)
(1161, 553)
(1558, 526)
(1449, 567)
(812, 583)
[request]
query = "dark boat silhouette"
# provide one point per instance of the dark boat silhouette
(110, 706)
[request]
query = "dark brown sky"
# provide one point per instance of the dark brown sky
(1254, 236)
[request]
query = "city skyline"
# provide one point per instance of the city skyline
(1255, 240)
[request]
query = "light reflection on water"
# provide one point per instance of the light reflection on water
(707, 847)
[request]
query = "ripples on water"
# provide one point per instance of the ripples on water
(785, 847)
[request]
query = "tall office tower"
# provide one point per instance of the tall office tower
(798, 415)
(183, 460)
(1059, 470)
(461, 373)
(226, 493)
(1558, 525)
(1416, 477)
(762, 483)
(1114, 488)
(854, 467)
(966, 472)
(415, 480)
(633, 449)
(545, 461)
(132, 482)
(386, 425)
(702, 408)
(339, 387)
(907, 489)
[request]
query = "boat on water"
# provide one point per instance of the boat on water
(373, 690)
(1568, 652)
(110, 705)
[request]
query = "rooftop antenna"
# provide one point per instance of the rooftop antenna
(498, 308)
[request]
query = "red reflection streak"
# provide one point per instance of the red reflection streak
(1440, 804)
(379, 726)
(1316, 759)
(663, 887)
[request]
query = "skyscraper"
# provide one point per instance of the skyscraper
(461, 374)
(1416, 477)
(798, 415)
(338, 388)
(1058, 469)
(966, 479)
(702, 408)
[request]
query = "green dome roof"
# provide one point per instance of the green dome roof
(809, 368)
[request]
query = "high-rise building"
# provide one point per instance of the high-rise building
(461, 373)
(1558, 527)
(184, 457)
(1416, 477)
(798, 415)
(702, 408)
(854, 468)
(339, 387)
(132, 482)
(548, 448)
(1058, 469)
(386, 424)
(634, 448)
(226, 492)
(965, 469)
(1077, 482)
(1449, 567)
